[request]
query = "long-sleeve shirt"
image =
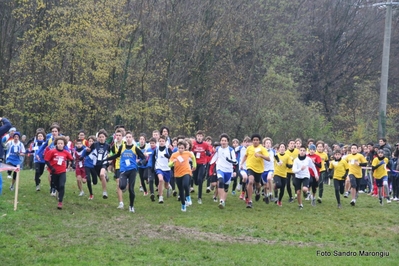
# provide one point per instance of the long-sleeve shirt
(3, 130)
(298, 163)
(220, 157)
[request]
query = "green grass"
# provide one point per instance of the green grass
(96, 233)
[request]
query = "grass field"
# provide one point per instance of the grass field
(97, 233)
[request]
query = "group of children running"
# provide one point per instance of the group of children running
(253, 166)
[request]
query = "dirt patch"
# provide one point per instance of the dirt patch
(171, 232)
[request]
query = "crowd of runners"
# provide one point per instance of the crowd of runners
(251, 169)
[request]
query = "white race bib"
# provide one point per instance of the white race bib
(180, 159)
(198, 155)
(80, 164)
(15, 149)
(59, 161)
(127, 161)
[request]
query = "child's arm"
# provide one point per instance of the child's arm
(194, 161)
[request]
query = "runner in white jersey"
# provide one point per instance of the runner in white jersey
(224, 158)
(267, 176)
(243, 172)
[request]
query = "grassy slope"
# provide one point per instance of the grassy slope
(96, 233)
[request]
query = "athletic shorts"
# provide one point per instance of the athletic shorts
(277, 181)
(355, 182)
(257, 176)
(165, 174)
(225, 176)
(313, 180)
(380, 182)
(117, 173)
(99, 167)
(214, 178)
(265, 175)
(80, 171)
(299, 183)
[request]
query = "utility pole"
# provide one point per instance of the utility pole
(382, 114)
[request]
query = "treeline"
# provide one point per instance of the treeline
(281, 68)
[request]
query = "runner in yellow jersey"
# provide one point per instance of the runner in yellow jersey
(254, 156)
(356, 161)
(323, 169)
(379, 166)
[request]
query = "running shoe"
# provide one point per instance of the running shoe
(208, 189)
(59, 206)
(257, 197)
(319, 200)
(339, 206)
(300, 207)
(183, 208)
(290, 200)
(233, 193)
(381, 203)
(242, 195)
(131, 209)
(313, 202)
(145, 194)
(38, 188)
(160, 201)
(353, 202)
(266, 200)
(199, 201)
(105, 195)
(279, 203)
(152, 197)
(81, 193)
(12, 188)
(388, 201)
(215, 199)
(174, 193)
(91, 197)
(141, 189)
(249, 205)
(188, 201)
(120, 206)
(221, 204)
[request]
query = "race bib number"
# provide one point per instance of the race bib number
(59, 161)
(180, 159)
(80, 164)
(127, 161)
(257, 150)
(15, 149)
(198, 155)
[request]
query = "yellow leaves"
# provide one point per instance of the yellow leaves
(40, 5)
